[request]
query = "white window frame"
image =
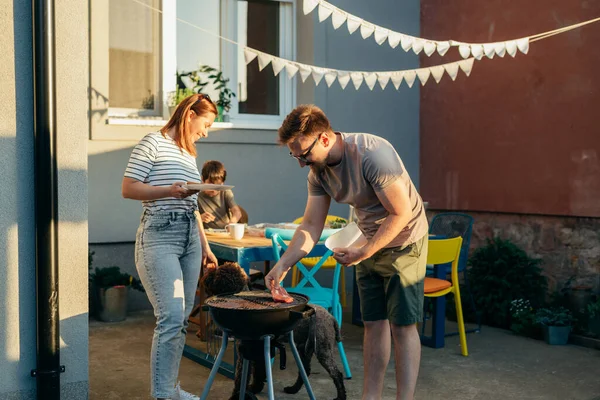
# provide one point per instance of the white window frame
(230, 61)
(110, 123)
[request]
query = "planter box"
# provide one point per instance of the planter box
(111, 305)
(556, 335)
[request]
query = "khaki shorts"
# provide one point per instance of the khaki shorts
(390, 284)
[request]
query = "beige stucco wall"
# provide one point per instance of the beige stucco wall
(17, 224)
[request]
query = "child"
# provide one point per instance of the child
(217, 208)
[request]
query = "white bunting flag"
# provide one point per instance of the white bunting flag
(249, 55)
(263, 60)
(452, 70)
(466, 65)
(489, 49)
(291, 70)
(394, 39)
(343, 79)
(309, 5)
(324, 11)
(442, 48)
(381, 35)
(406, 42)
(371, 80)
(337, 19)
(366, 30)
(317, 74)
(278, 64)
(409, 77)
(330, 78)
(305, 72)
(423, 74)
(397, 79)
(418, 46)
(353, 24)
(357, 79)
(464, 50)
(429, 48)
(500, 48)
(511, 48)
(523, 45)
(437, 72)
(383, 79)
(477, 51)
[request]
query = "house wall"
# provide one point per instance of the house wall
(516, 143)
(17, 223)
(268, 184)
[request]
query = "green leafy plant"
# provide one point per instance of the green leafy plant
(500, 273)
(523, 320)
(148, 101)
(103, 278)
(179, 95)
(554, 316)
(593, 308)
(337, 223)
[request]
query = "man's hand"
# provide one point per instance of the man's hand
(348, 256)
(275, 276)
(207, 217)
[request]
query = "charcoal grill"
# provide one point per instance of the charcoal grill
(254, 317)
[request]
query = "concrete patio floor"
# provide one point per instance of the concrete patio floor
(500, 366)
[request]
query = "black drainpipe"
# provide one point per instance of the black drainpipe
(48, 365)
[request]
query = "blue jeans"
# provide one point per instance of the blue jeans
(168, 257)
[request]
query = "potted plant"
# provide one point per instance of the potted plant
(225, 94)
(593, 310)
(556, 324)
(523, 319)
(110, 287)
(177, 96)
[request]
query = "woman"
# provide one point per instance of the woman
(170, 244)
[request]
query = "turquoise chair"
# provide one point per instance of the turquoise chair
(327, 298)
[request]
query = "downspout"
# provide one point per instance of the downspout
(48, 368)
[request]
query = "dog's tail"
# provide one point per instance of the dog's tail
(311, 339)
(336, 327)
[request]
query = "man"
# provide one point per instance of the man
(366, 172)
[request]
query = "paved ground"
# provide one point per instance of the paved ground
(500, 366)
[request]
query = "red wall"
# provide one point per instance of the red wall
(520, 135)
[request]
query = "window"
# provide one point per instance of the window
(135, 61)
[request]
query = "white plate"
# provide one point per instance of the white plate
(350, 236)
(208, 186)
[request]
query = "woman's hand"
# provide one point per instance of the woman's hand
(208, 258)
(178, 190)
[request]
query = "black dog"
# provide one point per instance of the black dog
(317, 335)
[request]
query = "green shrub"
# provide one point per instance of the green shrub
(500, 273)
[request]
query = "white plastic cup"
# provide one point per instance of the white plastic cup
(236, 231)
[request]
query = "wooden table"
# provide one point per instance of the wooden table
(245, 251)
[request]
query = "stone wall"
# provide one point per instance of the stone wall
(568, 246)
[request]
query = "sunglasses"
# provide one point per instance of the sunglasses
(303, 156)
(202, 96)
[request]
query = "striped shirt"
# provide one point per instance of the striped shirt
(157, 160)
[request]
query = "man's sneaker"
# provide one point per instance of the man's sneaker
(181, 394)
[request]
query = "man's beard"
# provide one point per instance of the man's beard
(317, 167)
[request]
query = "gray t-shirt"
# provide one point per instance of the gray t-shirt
(220, 206)
(369, 164)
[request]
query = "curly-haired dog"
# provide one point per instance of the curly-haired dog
(317, 335)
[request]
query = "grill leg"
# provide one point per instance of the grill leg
(215, 368)
(311, 395)
(245, 368)
(267, 340)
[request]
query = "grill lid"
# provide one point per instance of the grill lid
(252, 300)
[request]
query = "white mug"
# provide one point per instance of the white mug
(236, 231)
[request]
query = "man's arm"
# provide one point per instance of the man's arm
(236, 214)
(396, 201)
(305, 237)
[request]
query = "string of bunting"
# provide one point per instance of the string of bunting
(407, 42)
(427, 46)
(357, 77)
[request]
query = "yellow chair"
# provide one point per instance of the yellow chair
(310, 262)
(443, 251)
